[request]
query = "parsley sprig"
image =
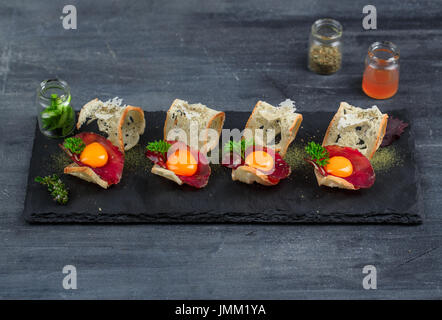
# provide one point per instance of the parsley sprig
(74, 145)
(56, 187)
(159, 146)
(317, 153)
(239, 147)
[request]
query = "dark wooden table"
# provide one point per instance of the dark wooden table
(227, 54)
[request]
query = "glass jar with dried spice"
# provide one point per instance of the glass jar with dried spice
(381, 75)
(325, 46)
(56, 118)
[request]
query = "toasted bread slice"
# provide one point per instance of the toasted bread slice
(86, 174)
(283, 121)
(333, 181)
(156, 169)
(193, 119)
(358, 128)
(122, 124)
(249, 175)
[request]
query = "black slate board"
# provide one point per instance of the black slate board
(142, 197)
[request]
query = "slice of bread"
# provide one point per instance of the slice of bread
(85, 173)
(122, 124)
(283, 121)
(156, 169)
(333, 181)
(193, 119)
(358, 128)
(249, 175)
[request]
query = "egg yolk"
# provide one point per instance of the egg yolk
(182, 162)
(260, 160)
(94, 155)
(339, 166)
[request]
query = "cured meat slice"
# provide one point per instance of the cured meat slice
(112, 171)
(199, 179)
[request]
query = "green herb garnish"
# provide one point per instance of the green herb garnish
(317, 153)
(59, 115)
(239, 147)
(159, 146)
(74, 145)
(56, 187)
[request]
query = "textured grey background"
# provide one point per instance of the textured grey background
(226, 54)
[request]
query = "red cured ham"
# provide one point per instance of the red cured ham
(112, 171)
(281, 169)
(363, 175)
(199, 179)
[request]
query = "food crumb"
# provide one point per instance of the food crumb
(59, 161)
(135, 160)
(386, 158)
(295, 157)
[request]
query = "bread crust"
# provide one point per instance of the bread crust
(86, 174)
(221, 115)
(333, 181)
(293, 132)
(253, 112)
(121, 123)
(381, 134)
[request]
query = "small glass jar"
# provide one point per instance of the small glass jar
(381, 75)
(56, 117)
(325, 46)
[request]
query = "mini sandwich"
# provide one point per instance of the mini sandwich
(258, 157)
(98, 159)
(352, 138)
(190, 132)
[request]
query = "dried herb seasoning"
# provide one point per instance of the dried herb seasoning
(324, 59)
(325, 46)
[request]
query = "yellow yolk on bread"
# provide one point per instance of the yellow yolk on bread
(94, 155)
(339, 166)
(260, 160)
(182, 162)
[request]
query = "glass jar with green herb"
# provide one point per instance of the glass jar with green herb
(56, 117)
(325, 46)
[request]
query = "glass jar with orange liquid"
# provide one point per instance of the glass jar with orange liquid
(381, 75)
